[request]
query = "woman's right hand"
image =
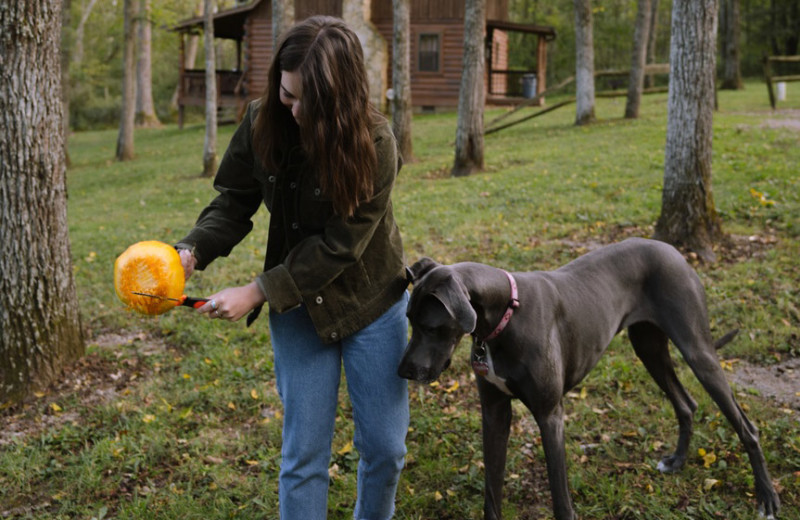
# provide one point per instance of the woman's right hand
(188, 261)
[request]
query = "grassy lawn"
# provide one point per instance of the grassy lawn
(178, 417)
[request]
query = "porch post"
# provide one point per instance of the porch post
(541, 67)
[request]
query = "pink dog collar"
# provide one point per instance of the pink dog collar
(512, 304)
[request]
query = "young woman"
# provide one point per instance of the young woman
(324, 162)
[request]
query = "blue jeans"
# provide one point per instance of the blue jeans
(308, 374)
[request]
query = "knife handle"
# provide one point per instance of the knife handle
(195, 303)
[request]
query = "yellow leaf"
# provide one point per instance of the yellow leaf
(231, 405)
(167, 406)
(186, 376)
(438, 496)
(709, 459)
(39, 394)
(701, 452)
(452, 388)
(346, 449)
(434, 384)
(584, 393)
(251, 462)
(254, 393)
(709, 484)
(186, 413)
(55, 407)
(148, 418)
(208, 361)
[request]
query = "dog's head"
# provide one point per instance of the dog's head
(440, 314)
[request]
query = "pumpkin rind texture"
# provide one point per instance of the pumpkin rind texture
(150, 267)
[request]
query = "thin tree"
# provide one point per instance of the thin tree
(584, 63)
(638, 59)
(145, 108)
(401, 78)
(282, 18)
(210, 144)
(469, 132)
(729, 22)
(652, 38)
(688, 215)
(128, 112)
(40, 327)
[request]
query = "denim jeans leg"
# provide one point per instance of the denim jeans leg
(380, 409)
(307, 373)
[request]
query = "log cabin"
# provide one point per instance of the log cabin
(436, 42)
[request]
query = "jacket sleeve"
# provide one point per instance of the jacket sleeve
(227, 219)
(319, 259)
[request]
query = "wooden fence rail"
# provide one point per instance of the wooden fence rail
(771, 80)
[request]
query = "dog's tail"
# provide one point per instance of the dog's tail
(724, 340)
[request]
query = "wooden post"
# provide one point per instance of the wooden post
(181, 74)
(768, 79)
(541, 67)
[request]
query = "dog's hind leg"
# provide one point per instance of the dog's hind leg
(652, 346)
(701, 357)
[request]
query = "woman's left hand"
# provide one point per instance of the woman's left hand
(233, 303)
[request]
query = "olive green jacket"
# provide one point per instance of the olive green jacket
(347, 272)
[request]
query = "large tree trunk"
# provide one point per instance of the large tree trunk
(210, 145)
(40, 329)
(282, 18)
(401, 78)
(729, 27)
(584, 63)
(145, 108)
(469, 133)
(639, 56)
(688, 216)
(128, 112)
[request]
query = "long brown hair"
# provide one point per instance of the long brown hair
(335, 111)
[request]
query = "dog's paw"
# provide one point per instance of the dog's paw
(670, 464)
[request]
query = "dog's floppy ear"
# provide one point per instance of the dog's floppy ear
(455, 298)
(419, 269)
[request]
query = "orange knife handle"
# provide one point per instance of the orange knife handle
(195, 303)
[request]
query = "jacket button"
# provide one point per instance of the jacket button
(271, 178)
(334, 335)
(317, 192)
(293, 185)
(295, 225)
(319, 302)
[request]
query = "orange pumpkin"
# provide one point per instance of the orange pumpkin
(150, 267)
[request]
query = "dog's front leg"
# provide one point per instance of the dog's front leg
(551, 425)
(496, 424)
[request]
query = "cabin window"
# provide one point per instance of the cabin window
(429, 52)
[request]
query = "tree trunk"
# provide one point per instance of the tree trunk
(652, 38)
(639, 56)
(67, 38)
(77, 54)
(469, 133)
(145, 108)
(128, 112)
(282, 18)
(401, 78)
(688, 216)
(584, 63)
(40, 329)
(210, 145)
(189, 58)
(729, 22)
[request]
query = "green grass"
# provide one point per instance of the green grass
(178, 417)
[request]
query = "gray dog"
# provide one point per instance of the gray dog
(537, 335)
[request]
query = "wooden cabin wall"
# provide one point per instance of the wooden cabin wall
(258, 49)
(444, 17)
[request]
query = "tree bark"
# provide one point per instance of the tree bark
(210, 144)
(401, 78)
(469, 132)
(128, 112)
(67, 39)
(638, 59)
(730, 21)
(145, 108)
(282, 18)
(688, 215)
(584, 63)
(40, 329)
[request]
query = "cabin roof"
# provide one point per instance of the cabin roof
(228, 24)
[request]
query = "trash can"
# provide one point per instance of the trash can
(529, 86)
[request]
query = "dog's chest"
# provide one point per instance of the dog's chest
(484, 366)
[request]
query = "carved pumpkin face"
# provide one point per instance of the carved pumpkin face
(149, 267)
